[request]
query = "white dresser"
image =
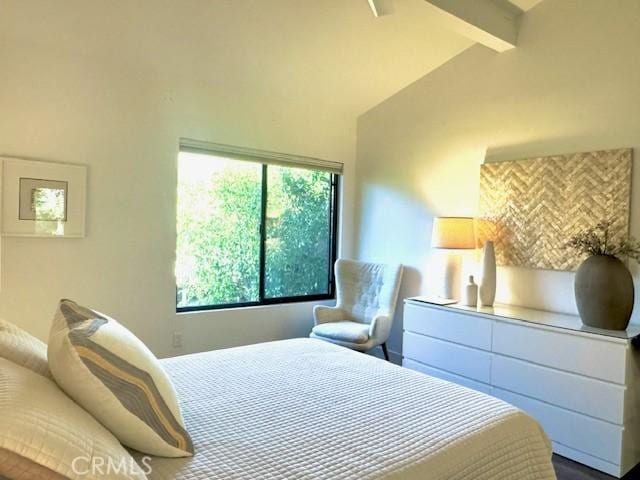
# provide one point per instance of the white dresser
(581, 384)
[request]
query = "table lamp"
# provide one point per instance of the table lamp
(453, 233)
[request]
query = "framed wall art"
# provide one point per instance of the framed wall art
(534, 206)
(43, 199)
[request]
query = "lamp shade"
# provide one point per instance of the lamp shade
(454, 233)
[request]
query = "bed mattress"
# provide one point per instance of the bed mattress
(306, 409)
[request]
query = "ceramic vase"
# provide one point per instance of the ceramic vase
(604, 292)
(470, 293)
(487, 291)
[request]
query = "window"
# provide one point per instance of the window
(251, 232)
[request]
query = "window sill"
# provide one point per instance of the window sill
(290, 302)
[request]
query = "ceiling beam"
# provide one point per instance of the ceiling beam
(380, 7)
(374, 8)
(493, 23)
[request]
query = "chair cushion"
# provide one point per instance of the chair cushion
(116, 378)
(23, 348)
(345, 331)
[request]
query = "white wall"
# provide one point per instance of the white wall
(114, 84)
(124, 119)
(573, 84)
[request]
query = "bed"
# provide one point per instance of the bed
(306, 409)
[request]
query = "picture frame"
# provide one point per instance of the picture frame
(43, 199)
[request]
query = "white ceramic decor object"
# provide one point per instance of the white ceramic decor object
(488, 275)
(470, 293)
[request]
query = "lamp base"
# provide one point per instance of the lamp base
(451, 268)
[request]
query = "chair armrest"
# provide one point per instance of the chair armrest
(325, 314)
(380, 328)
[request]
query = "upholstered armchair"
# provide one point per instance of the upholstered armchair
(366, 300)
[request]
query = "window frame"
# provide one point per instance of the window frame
(334, 212)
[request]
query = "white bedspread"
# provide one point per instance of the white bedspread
(305, 409)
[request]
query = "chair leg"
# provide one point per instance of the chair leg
(385, 351)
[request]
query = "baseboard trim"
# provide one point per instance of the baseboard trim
(394, 357)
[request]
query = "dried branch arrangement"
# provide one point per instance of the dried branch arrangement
(597, 241)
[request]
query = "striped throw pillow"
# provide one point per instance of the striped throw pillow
(116, 378)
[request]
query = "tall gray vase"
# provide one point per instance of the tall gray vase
(604, 292)
(487, 290)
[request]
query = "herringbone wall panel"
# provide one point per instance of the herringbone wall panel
(530, 208)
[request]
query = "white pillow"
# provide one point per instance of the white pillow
(45, 435)
(23, 348)
(115, 377)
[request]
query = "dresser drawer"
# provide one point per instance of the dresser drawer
(574, 392)
(592, 357)
(452, 326)
(450, 357)
(589, 435)
(450, 377)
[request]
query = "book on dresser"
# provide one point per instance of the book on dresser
(580, 383)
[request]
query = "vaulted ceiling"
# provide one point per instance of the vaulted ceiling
(333, 52)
